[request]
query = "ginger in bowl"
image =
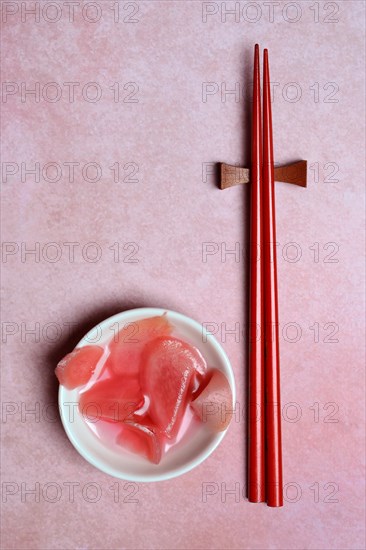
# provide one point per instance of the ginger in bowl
(149, 398)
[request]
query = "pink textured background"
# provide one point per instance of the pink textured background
(170, 132)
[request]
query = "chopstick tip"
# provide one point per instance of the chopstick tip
(256, 54)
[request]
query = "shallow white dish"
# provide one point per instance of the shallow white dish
(123, 464)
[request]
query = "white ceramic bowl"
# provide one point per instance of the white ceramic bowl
(123, 464)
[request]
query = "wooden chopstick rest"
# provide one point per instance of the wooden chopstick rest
(294, 173)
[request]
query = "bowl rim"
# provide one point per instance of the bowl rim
(143, 312)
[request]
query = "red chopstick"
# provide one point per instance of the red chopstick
(274, 490)
(256, 450)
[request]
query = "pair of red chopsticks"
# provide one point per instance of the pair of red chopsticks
(264, 448)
